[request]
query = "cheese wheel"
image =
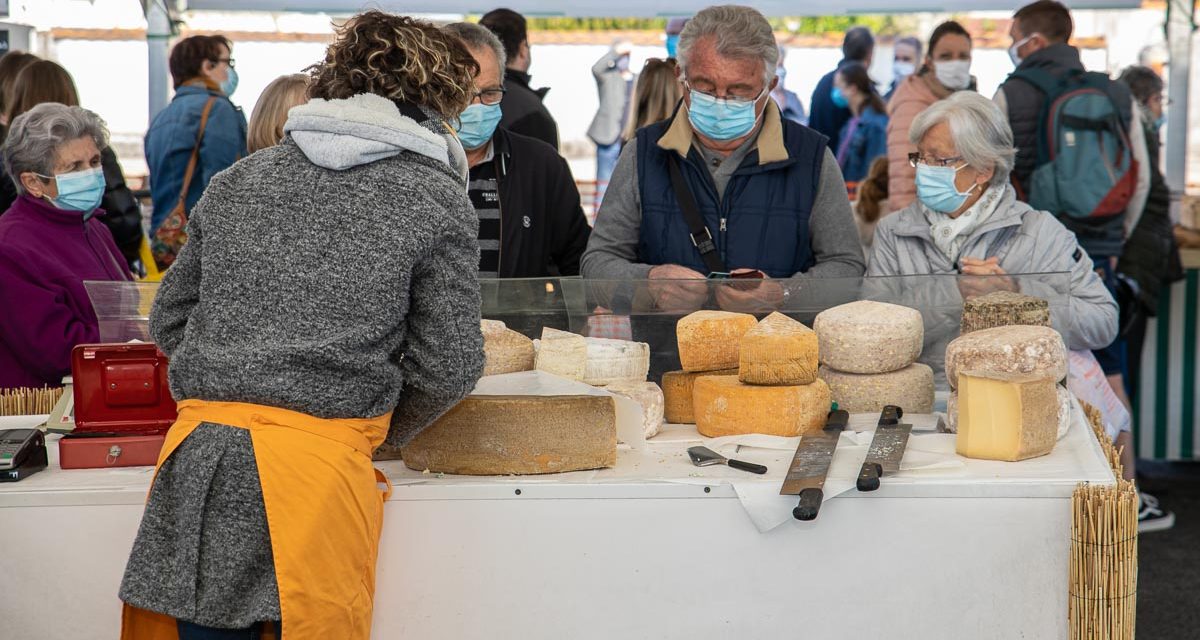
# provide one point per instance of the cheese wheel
(649, 396)
(910, 388)
(779, 350)
(869, 337)
(611, 361)
(1003, 308)
(502, 435)
(724, 407)
(677, 389)
(709, 340)
(1011, 419)
(562, 353)
(505, 350)
(1017, 351)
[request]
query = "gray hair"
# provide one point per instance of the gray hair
(35, 136)
(479, 37)
(740, 32)
(980, 131)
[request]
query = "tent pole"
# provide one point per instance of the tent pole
(1180, 14)
(158, 35)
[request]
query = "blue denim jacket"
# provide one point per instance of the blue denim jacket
(172, 136)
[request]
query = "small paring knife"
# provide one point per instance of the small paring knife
(703, 457)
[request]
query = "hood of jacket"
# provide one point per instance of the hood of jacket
(361, 129)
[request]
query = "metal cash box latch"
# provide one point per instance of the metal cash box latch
(114, 452)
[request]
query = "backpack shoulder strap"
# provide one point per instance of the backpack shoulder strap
(699, 232)
(1041, 79)
(195, 158)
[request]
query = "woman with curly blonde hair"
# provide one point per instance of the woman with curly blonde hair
(324, 304)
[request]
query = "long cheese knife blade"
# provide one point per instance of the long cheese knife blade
(887, 449)
(810, 465)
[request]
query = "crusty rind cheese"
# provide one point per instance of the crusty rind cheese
(562, 353)
(1003, 308)
(1007, 419)
(505, 350)
(649, 396)
(1017, 351)
(611, 361)
(952, 412)
(778, 351)
(502, 435)
(910, 388)
(710, 340)
(678, 387)
(723, 406)
(869, 337)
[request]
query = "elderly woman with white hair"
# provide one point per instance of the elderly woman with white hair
(51, 241)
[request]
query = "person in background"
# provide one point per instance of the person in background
(614, 82)
(271, 111)
(524, 111)
(946, 69)
(825, 116)
(202, 68)
(869, 206)
(10, 65)
(655, 96)
(674, 28)
(44, 81)
(531, 223)
(788, 102)
(864, 136)
(906, 56)
(51, 241)
(325, 302)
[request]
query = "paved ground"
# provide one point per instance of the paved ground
(1169, 561)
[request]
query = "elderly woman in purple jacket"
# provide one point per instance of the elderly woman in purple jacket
(51, 242)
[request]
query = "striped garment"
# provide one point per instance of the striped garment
(1166, 407)
(485, 197)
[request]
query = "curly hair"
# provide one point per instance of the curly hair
(398, 58)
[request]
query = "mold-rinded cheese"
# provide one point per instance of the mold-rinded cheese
(778, 351)
(505, 350)
(1064, 412)
(910, 388)
(1003, 308)
(562, 353)
(677, 389)
(1013, 351)
(724, 406)
(710, 340)
(1011, 419)
(952, 412)
(501, 435)
(610, 361)
(869, 337)
(649, 396)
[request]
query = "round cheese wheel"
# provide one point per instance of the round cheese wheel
(724, 406)
(779, 351)
(869, 337)
(505, 350)
(1017, 351)
(709, 340)
(910, 388)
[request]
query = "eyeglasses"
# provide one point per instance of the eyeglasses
(228, 61)
(491, 97)
(735, 97)
(917, 158)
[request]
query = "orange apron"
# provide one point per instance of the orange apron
(324, 512)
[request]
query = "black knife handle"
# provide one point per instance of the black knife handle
(890, 415)
(810, 504)
(748, 466)
(868, 478)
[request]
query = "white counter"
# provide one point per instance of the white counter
(654, 548)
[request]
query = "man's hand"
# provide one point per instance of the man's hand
(758, 295)
(672, 295)
(971, 287)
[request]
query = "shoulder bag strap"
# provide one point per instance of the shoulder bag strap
(191, 167)
(701, 236)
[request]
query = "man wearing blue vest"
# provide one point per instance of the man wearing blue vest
(768, 192)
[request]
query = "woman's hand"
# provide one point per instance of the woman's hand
(971, 287)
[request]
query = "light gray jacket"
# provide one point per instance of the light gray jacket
(1026, 242)
(615, 94)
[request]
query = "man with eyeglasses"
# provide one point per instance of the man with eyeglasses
(531, 223)
(726, 184)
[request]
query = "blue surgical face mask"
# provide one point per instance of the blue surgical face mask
(477, 124)
(672, 44)
(1160, 122)
(79, 190)
(722, 119)
(229, 84)
(839, 98)
(936, 188)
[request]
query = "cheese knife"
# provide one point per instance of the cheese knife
(810, 465)
(703, 457)
(887, 448)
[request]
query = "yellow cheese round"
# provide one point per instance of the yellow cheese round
(724, 406)
(869, 337)
(709, 340)
(778, 351)
(677, 389)
(910, 388)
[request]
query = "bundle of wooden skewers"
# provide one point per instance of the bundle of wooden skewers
(1103, 580)
(26, 401)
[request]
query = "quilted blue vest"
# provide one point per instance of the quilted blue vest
(760, 222)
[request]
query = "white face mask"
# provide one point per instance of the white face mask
(953, 74)
(901, 70)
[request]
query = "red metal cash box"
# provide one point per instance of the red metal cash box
(123, 406)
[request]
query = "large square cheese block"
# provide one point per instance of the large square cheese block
(910, 388)
(1017, 351)
(778, 351)
(1003, 308)
(502, 435)
(723, 406)
(710, 340)
(869, 337)
(1006, 419)
(678, 387)
(649, 396)
(505, 350)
